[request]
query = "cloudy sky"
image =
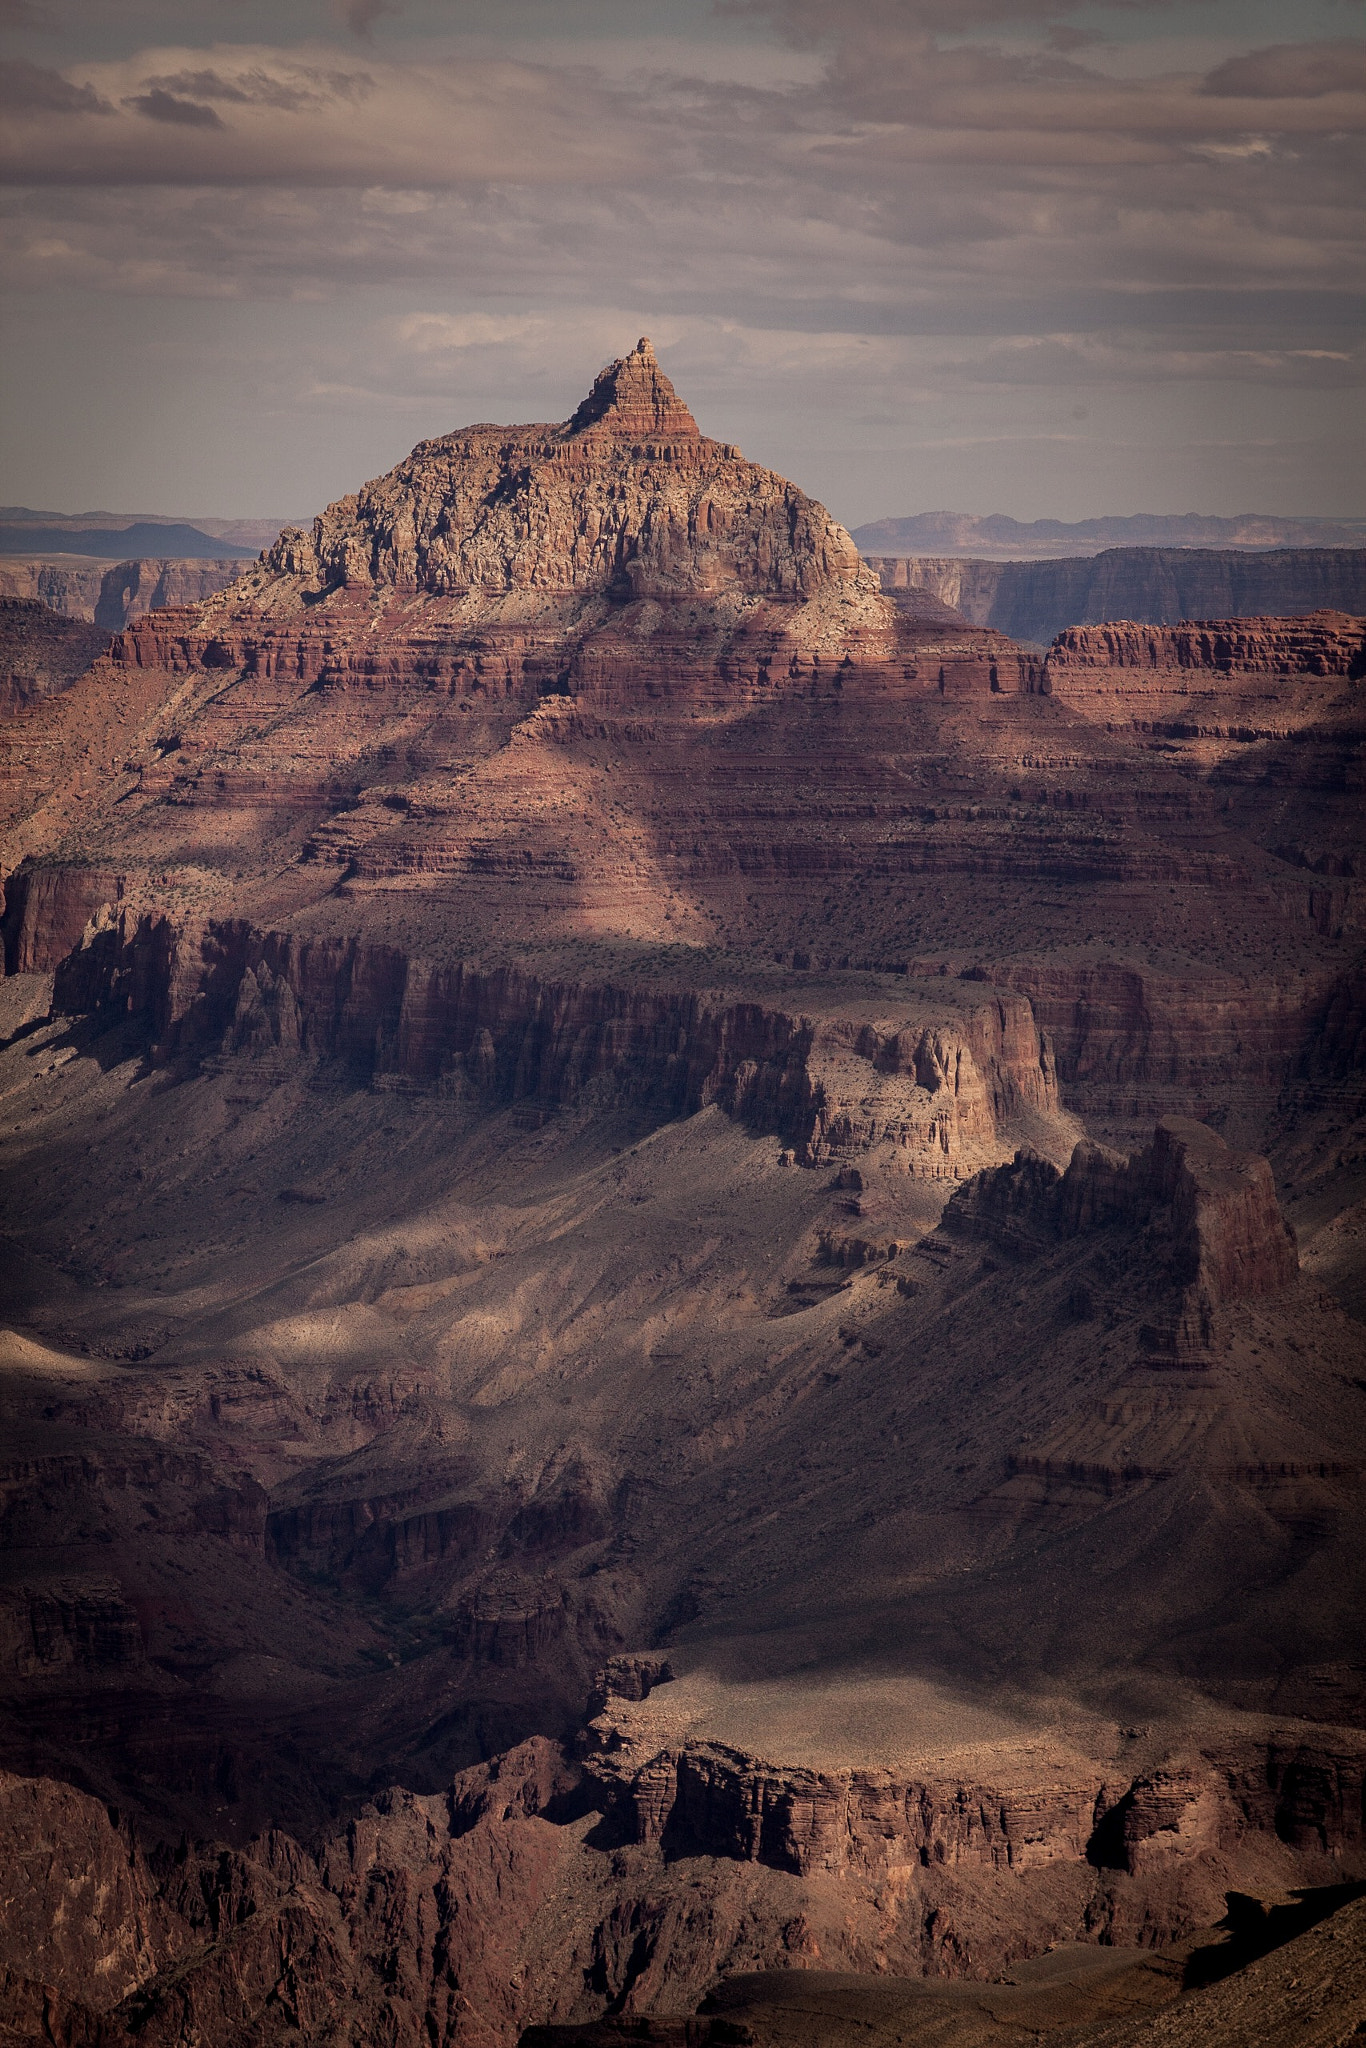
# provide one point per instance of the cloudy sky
(991, 255)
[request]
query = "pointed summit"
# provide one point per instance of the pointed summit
(633, 398)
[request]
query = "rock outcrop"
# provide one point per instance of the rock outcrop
(1213, 1211)
(469, 1913)
(1206, 654)
(626, 500)
(927, 1077)
(529, 964)
(153, 584)
(40, 654)
(70, 588)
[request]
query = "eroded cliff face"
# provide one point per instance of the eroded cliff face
(109, 596)
(1121, 656)
(1036, 601)
(1214, 1211)
(929, 1078)
(72, 589)
(534, 1890)
(608, 682)
(40, 656)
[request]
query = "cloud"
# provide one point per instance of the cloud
(435, 333)
(1290, 71)
(801, 231)
(288, 90)
(816, 21)
(439, 123)
(160, 105)
(31, 89)
(1065, 360)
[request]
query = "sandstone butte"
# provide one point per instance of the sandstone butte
(684, 1280)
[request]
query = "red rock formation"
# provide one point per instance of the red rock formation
(151, 585)
(1036, 601)
(471, 1912)
(929, 1074)
(110, 596)
(1215, 1211)
(1123, 656)
(70, 588)
(40, 655)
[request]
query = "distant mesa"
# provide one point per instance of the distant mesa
(110, 596)
(617, 1085)
(1034, 601)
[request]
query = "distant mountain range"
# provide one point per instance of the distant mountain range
(995, 537)
(123, 536)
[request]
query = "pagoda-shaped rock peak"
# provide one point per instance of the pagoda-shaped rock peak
(634, 399)
(626, 500)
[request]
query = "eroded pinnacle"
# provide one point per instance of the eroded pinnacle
(632, 397)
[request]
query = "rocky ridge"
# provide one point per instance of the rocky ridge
(40, 656)
(513, 1893)
(1323, 643)
(626, 500)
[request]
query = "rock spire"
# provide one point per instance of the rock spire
(632, 397)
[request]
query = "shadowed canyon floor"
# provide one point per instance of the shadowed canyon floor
(683, 1283)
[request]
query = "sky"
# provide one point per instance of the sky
(984, 255)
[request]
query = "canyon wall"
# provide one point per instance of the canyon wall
(929, 1077)
(472, 1912)
(71, 588)
(461, 928)
(996, 535)
(40, 654)
(1035, 601)
(1212, 1211)
(110, 596)
(705, 1799)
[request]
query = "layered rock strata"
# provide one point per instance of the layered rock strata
(1125, 658)
(608, 679)
(930, 1077)
(461, 931)
(40, 655)
(1215, 1211)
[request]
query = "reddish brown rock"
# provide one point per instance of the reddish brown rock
(928, 1075)
(40, 654)
(1321, 644)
